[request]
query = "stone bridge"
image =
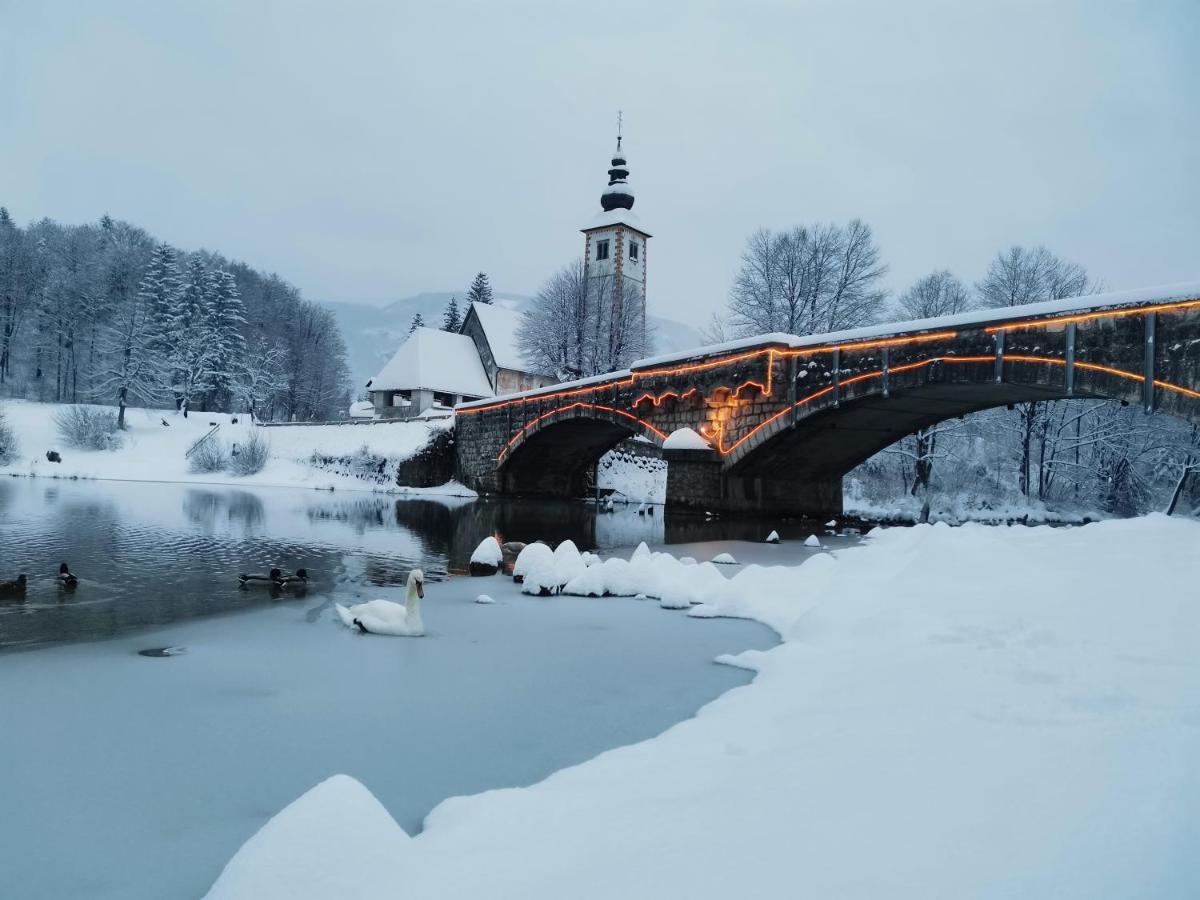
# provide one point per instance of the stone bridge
(786, 417)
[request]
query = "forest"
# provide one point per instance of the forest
(105, 313)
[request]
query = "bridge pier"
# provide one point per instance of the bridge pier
(697, 480)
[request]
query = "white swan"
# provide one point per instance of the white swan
(388, 617)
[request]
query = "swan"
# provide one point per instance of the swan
(388, 617)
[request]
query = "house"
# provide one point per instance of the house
(494, 331)
(432, 370)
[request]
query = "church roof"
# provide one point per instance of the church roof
(612, 217)
(435, 360)
(500, 326)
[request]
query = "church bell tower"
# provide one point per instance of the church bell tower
(614, 259)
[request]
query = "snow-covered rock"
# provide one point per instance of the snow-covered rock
(685, 439)
(812, 541)
(773, 537)
(724, 559)
(536, 554)
(487, 558)
(484, 598)
(588, 583)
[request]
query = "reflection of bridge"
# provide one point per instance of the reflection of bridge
(787, 417)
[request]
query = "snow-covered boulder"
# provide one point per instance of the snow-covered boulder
(685, 439)
(540, 580)
(487, 558)
(812, 541)
(337, 840)
(568, 562)
(484, 598)
(533, 555)
(724, 559)
(588, 583)
(619, 580)
(773, 537)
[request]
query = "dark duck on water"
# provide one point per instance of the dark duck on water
(65, 578)
(276, 578)
(14, 588)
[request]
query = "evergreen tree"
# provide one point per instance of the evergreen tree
(159, 290)
(417, 322)
(452, 321)
(480, 290)
(226, 346)
(188, 335)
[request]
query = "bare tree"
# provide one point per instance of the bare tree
(807, 280)
(578, 325)
(937, 294)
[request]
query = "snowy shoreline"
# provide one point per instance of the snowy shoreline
(152, 452)
(924, 723)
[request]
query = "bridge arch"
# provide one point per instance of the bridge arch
(828, 432)
(552, 454)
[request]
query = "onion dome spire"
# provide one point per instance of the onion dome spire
(618, 194)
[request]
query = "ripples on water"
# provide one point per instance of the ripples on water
(151, 554)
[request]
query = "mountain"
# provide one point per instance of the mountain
(372, 333)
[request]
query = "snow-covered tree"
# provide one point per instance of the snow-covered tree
(418, 321)
(159, 290)
(133, 367)
(451, 320)
(190, 352)
(480, 290)
(226, 346)
(261, 377)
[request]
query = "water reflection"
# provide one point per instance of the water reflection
(150, 554)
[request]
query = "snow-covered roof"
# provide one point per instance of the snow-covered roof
(620, 187)
(617, 217)
(1189, 290)
(437, 361)
(500, 326)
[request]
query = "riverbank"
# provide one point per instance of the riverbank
(973, 712)
(153, 451)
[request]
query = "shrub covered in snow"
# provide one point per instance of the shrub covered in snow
(252, 455)
(8, 441)
(210, 456)
(533, 556)
(88, 428)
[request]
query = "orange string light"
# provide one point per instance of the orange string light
(562, 409)
(773, 352)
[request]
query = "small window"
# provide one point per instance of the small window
(601, 250)
(633, 250)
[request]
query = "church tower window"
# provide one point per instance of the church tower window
(601, 250)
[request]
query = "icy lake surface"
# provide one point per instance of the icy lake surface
(127, 776)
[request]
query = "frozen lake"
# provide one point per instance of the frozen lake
(125, 776)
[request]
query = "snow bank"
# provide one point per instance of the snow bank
(335, 841)
(152, 451)
(972, 712)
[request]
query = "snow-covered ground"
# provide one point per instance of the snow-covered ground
(976, 712)
(151, 451)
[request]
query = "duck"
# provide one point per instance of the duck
(388, 617)
(14, 588)
(65, 578)
(297, 582)
(273, 579)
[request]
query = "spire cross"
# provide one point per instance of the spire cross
(618, 129)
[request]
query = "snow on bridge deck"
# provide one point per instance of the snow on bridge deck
(1138, 298)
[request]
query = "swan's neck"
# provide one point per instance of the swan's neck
(412, 606)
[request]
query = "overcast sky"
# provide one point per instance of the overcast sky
(368, 151)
